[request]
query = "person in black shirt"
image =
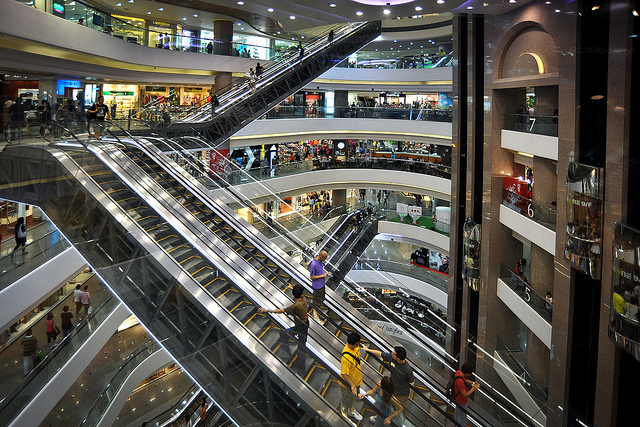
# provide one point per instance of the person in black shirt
(98, 111)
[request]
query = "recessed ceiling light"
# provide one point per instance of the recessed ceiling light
(240, 3)
(242, 28)
(148, 13)
(279, 32)
(596, 7)
(469, 7)
(395, 41)
(440, 1)
(130, 1)
(386, 11)
(634, 13)
(239, 23)
(332, 5)
(161, 9)
(512, 1)
(195, 15)
(292, 17)
(359, 13)
(557, 10)
(547, 2)
(418, 8)
(119, 4)
(485, 4)
(184, 18)
(270, 9)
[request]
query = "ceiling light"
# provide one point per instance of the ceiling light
(279, 32)
(292, 17)
(119, 4)
(512, 1)
(418, 8)
(485, 4)
(195, 15)
(440, 1)
(130, 1)
(386, 11)
(240, 3)
(161, 9)
(547, 2)
(395, 41)
(270, 9)
(634, 13)
(557, 10)
(184, 18)
(332, 5)
(596, 7)
(469, 7)
(148, 13)
(359, 13)
(239, 23)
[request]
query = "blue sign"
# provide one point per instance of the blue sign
(67, 83)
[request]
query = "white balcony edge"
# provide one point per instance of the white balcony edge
(530, 143)
(529, 229)
(536, 323)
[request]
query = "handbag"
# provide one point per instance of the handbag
(56, 332)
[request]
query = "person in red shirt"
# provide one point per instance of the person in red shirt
(463, 389)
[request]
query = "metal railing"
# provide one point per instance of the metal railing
(541, 214)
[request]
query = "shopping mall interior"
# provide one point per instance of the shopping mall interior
(169, 171)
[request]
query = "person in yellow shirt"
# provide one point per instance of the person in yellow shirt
(618, 300)
(351, 374)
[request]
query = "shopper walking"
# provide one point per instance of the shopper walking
(52, 329)
(67, 325)
(85, 299)
(76, 298)
(30, 349)
(20, 233)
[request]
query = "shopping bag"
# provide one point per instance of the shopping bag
(90, 310)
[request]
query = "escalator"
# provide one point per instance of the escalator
(336, 323)
(239, 105)
(194, 309)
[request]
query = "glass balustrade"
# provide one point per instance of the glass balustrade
(17, 265)
(378, 112)
(541, 214)
(32, 384)
(431, 277)
(422, 221)
(112, 21)
(238, 175)
(521, 286)
(539, 124)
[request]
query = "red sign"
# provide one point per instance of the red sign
(218, 160)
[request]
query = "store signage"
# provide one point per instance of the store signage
(116, 93)
(415, 210)
(155, 88)
(61, 84)
(57, 7)
(402, 208)
(160, 24)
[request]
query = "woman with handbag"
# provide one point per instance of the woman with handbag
(52, 329)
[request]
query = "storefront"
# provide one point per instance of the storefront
(121, 98)
(129, 29)
(158, 33)
(192, 95)
(68, 89)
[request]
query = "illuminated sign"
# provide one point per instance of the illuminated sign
(67, 83)
(57, 7)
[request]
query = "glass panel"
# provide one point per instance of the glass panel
(538, 124)
(541, 214)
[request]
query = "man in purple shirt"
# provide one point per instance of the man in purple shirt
(318, 277)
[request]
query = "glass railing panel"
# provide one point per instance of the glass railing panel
(521, 286)
(33, 383)
(236, 175)
(16, 265)
(538, 123)
(407, 62)
(423, 221)
(438, 280)
(381, 112)
(105, 399)
(541, 214)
